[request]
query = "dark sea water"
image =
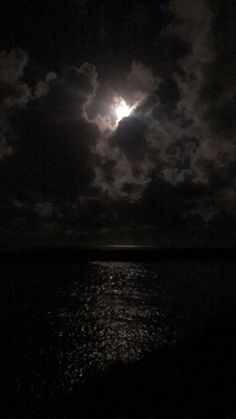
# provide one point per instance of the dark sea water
(63, 324)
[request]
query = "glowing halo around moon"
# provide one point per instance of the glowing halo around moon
(122, 110)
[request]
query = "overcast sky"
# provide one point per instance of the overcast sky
(66, 163)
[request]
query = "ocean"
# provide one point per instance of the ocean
(64, 324)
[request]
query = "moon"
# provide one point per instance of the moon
(122, 110)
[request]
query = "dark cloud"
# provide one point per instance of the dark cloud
(64, 160)
(52, 159)
(12, 65)
(204, 103)
(130, 138)
(218, 90)
(13, 94)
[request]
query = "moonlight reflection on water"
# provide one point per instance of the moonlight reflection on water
(72, 321)
(115, 316)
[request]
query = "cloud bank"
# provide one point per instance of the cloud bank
(63, 158)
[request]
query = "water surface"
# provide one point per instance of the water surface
(63, 324)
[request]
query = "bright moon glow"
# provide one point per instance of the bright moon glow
(122, 110)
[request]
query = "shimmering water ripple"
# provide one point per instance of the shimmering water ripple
(117, 314)
(62, 324)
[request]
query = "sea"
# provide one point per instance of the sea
(63, 324)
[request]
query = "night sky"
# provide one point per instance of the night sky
(69, 166)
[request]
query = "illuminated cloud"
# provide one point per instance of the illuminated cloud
(62, 144)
